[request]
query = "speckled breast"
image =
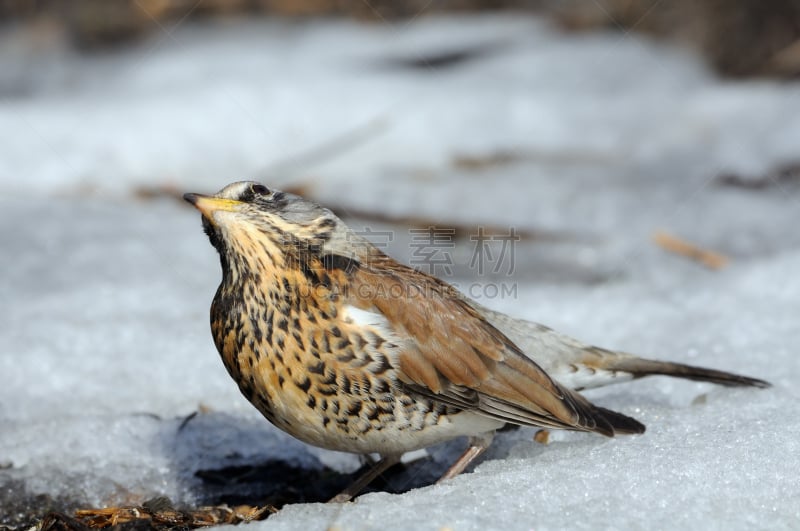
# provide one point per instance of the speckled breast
(320, 378)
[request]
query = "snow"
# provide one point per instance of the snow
(105, 326)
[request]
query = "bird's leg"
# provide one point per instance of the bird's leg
(477, 445)
(366, 478)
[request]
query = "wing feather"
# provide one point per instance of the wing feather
(450, 353)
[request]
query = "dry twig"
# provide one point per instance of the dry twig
(675, 245)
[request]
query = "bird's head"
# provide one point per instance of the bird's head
(251, 224)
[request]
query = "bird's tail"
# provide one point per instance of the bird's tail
(640, 367)
(612, 423)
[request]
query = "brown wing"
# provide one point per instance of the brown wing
(455, 356)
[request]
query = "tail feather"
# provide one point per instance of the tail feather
(640, 367)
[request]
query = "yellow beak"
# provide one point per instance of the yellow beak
(207, 204)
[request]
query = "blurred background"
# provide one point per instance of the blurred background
(626, 171)
(746, 39)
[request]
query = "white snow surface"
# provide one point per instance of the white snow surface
(106, 347)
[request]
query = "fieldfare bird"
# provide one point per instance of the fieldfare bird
(344, 348)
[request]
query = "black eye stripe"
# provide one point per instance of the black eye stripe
(254, 191)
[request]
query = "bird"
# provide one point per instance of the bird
(347, 349)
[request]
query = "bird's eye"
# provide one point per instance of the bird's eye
(260, 189)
